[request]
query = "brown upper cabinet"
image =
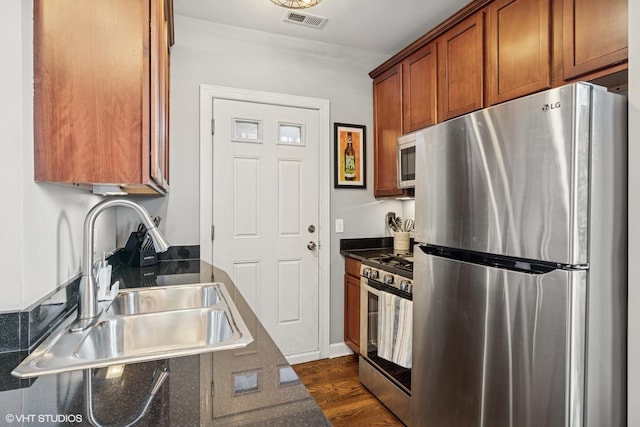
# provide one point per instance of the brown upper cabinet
(595, 35)
(519, 38)
(461, 68)
(101, 93)
(488, 52)
(419, 89)
(387, 123)
(404, 99)
(161, 41)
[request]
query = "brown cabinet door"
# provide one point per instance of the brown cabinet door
(352, 312)
(595, 35)
(101, 89)
(519, 49)
(419, 90)
(352, 303)
(160, 42)
(460, 68)
(88, 90)
(387, 118)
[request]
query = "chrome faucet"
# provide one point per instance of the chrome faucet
(88, 292)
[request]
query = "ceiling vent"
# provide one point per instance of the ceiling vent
(305, 19)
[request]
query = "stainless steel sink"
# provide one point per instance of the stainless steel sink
(150, 300)
(134, 336)
(146, 324)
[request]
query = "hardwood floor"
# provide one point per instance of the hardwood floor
(345, 402)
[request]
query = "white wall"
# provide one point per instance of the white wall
(228, 56)
(11, 156)
(40, 224)
(634, 213)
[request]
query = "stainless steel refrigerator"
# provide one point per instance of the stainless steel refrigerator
(520, 268)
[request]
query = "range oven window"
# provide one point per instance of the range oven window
(401, 375)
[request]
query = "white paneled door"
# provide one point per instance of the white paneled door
(265, 214)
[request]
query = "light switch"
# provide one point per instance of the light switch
(339, 225)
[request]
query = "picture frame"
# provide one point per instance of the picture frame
(350, 157)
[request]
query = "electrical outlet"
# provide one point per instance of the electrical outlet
(339, 225)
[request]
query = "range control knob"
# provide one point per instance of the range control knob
(388, 279)
(405, 285)
(374, 274)
(366, 272)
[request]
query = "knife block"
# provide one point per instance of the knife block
(137, 252)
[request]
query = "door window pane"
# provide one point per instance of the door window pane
(246, 382)
(288, 376)
(247, 130)
(290, 134)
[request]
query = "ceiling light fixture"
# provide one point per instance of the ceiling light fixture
(296, 4)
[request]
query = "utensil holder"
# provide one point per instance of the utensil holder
(400, 242)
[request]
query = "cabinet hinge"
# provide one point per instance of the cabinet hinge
(213, 126)
(213, 232)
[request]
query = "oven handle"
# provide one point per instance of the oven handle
(365, 290)
(383, 288)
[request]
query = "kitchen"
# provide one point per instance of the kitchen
(54, 239)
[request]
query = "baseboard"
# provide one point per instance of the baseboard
(309, 356)
(338, 350)
(335, 350)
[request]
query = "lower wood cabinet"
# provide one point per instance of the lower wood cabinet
(352, 304)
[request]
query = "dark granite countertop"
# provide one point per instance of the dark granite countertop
(252, 386)
(369, 250)
(364, 249)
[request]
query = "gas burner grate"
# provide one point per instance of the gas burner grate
(396, 261)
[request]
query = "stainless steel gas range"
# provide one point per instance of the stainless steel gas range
(386, 316)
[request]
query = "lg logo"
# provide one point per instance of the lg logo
(547, 107)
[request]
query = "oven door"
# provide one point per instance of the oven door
(368, 317)
(370, 298)
(378, 375)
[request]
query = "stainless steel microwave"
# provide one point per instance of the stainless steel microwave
(407, 161)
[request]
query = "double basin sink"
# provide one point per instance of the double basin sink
(141, 325)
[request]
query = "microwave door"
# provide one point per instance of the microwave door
(407, 161)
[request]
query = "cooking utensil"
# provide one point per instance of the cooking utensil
(390, 221)
(409, 224)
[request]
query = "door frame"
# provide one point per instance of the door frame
(207, 94)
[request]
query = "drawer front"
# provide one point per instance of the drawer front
(352, 266)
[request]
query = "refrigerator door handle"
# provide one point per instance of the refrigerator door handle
(492, 260)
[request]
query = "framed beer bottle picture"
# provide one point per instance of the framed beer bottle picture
(350, 156)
